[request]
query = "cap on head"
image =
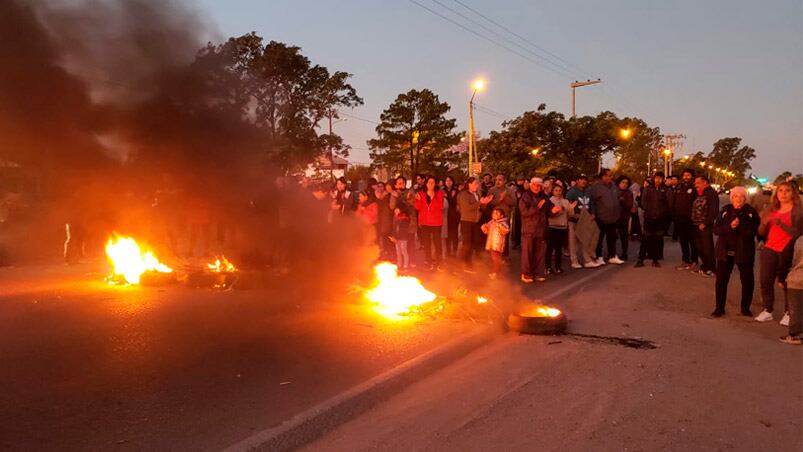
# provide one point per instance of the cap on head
(536, 181)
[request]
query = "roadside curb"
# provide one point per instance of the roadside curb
(314, 422)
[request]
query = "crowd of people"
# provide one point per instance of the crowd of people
(592, 222)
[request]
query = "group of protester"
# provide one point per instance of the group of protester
(547, 218)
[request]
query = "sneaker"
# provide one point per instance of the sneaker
(601, 261)
(717, 313)
(694, 268)
(540, 279)
(639, 264)
(785, 319)
(492, 276)
(656, 264)
(526, 279)
(764, 316)
(559, 271)
(791, 340)
(592, 264)
(616, 261)
(747, 313)
(683, 266)
(577, 266)
(707, 274)
(549, 271)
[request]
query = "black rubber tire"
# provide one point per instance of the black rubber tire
(537, 325)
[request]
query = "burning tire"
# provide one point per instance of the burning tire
(543, 320)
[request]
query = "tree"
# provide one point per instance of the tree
(415, 136)
(637, 154)
(359, 172)
(727, 153)
(280, 91)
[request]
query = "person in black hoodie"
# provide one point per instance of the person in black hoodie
(683, 196)
(655, 202)
(703, 213)
(736, 227)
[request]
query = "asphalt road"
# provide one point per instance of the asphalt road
(712, 384)
(86, 366)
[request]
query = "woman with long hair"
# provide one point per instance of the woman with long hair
(429, 204)
(452, 216)
(781, 225)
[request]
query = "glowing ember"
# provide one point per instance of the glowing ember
(481, 299)
(221, 265)
(540, 311)
(129, 262)
(395, 295)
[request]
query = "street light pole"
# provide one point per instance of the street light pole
(576, 85)
(478, 85)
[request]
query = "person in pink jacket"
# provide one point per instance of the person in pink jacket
(496, 230)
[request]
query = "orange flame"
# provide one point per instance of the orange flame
(129, 262)
(481, 299)
(221, 265)
(540, 311)
(394, 295)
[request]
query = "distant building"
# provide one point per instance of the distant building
(322, 168)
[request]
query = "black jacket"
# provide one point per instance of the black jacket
(681, 200)
(739, 242)
(655, 202)
(534, 218)
(705, 208)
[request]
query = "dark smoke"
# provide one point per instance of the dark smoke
(102, 106)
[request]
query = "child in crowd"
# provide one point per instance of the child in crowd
(401, 236)
(496, 230)
(558, 233)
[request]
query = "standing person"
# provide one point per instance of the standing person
(558, 229)
(450, 193)
(626, 204)
(519, 190)
(736, 227)
(671, 182)
(580, 196)
(655, 202)
(367, 208)
(429, 204)
(470, 205)
(496, 230)
(704, 211)
(606, 203)
(385, 221)
(401, 235)
(781, 224)
(503, 198)
(342, 201)
(534, 206)
(635, 220)
(404, 198)
(683, 196)
(487, 184)
(794, 282)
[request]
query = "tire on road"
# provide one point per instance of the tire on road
(538, 325)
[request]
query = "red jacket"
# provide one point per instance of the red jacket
(429, 214)
(369, 212)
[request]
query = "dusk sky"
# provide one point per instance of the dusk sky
(707, 69)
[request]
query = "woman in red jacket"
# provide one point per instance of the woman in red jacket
(429, 204)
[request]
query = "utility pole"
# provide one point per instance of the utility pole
(674, 143)
(331, 152)
(576, 85)
(478, 85)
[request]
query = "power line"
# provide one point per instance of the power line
(357, 118)
(522, 38)
(491, 112)
(492, 41)
(484, 27)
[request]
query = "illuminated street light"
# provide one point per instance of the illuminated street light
(478, 85)
(702, 164)
(667, 152)
(535, 152)
(625, 133)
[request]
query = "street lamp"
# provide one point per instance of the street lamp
(625, 133)
(535, 152)
(667, 162)
(478, 85)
